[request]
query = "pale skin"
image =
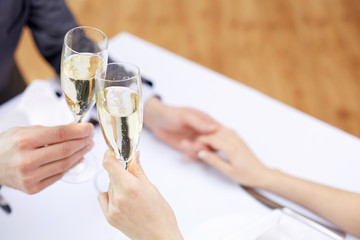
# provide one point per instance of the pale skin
(339, 207)
(179, 127)
(32, 158)
(134, 205)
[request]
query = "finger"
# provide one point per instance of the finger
(62, 165)
(117, 173)
(45, 183)
(224, 140)
(41, 136)
(215, 141)
(214, 160)
(191, 149)
(59, 151)
(136, 169)
(103, 199)
(200, 122)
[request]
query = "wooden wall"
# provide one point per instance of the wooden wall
(305, 53)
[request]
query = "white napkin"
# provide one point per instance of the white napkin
(42, 106)
(284, 228)
(248, 227)
(12, 118)
(37, 105)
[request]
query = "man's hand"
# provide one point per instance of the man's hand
(32, 158)
(178, 127)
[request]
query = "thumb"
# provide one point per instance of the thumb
(103, 199)
(116, 171)
(136, 169)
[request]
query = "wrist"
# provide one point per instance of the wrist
(175, 236)
(167, 233)
(266, 179)
(271, 178)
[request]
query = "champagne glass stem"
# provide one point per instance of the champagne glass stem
(78, 119)
(125, 164)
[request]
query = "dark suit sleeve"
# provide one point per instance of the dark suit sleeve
(49, 21)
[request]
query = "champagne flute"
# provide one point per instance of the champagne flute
(84, 53)
(120, 111)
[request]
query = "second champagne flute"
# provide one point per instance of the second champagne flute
(120, 109)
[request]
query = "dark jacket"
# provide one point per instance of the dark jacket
(48, 20)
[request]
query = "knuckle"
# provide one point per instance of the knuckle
(65, 164)
(66, 150)
(20, 141)
(115, 208)
(33, 190)
(28, 183)
(29, 191)
(130, 190)
(25, 165)
(60, 133)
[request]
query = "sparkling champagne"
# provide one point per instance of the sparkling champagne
(120, 119)
(78, 82)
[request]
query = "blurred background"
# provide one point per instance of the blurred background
(305, 53)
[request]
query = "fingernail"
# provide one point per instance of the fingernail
(201, 154)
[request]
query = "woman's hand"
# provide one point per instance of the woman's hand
(134, 205)
(240, 164)
(339, 207)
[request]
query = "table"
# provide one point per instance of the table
(280, 136)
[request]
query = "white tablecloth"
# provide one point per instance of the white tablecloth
(281, 137)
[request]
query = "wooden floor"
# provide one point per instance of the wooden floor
(304, 53)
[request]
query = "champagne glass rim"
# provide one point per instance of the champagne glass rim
(106, 39)
(124, 79)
